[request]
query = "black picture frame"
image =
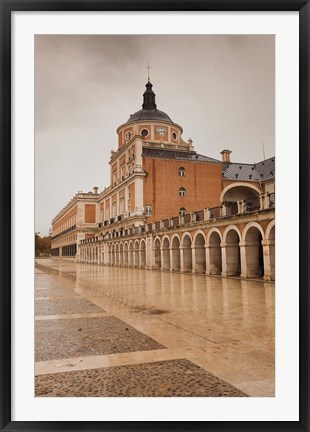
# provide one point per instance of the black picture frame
(9, 6)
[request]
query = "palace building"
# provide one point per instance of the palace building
(168, 207)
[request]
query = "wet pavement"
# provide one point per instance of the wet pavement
(70, 338)
(111, 331)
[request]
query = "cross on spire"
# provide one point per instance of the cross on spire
(148, 67)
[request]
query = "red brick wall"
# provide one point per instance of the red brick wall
(161, 189)
(90, 213)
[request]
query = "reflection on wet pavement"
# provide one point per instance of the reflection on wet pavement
(223, 326)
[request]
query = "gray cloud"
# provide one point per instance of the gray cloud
(220, 89)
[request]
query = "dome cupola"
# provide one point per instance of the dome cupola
(155, 127)
(149, 109)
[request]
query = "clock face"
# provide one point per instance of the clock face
(161, 131)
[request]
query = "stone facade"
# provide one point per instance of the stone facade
(168, 207)
(241, 245)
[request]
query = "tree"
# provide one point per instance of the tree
(37, 243)
(42, 245)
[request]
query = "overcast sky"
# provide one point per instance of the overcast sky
(220, 89)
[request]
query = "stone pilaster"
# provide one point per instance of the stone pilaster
(181, 259)
(208, 263)
(269, 265)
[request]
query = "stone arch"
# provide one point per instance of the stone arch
(143, 253)
(197, 233)
(187, 252)
(238, 191)
(229, 228)
(232, 258)
(199, 242)
(269, 228)
(250, 225)
(130, 254)
(136, 253)
(186, 233)
(214, 261)
(157, 253)
(166, 253)
(212, 230)
(175, 247)
(253, 265)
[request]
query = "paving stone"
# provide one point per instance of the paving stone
(158, 379)
(69, 338)
(55, 293)
(65, 306)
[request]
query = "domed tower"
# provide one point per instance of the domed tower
(154, 173)
(151, 124)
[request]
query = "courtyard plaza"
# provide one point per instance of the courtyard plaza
(113, 331)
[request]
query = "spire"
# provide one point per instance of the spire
(149, 98)
(148, 67)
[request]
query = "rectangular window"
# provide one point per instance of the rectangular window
(148, 210)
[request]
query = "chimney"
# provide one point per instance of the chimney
(225, 155)
(95, 189)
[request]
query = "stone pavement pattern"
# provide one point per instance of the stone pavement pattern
(164, 378)
(108, 331)
(64, 338)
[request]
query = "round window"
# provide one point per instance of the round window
(144, 132)
(174, 136)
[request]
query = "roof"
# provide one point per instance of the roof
(149, 109)
(266, 169)
(144, 114)
(261, 171)
(178, 155)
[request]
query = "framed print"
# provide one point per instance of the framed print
(153, 274)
